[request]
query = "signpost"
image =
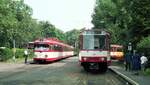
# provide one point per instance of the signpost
(129, 47)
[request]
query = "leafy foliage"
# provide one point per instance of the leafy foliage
(17, 24)
(144, 43)
(49, 30)
(72, 38)
(5, 54)
(144, 46)
(127, 20)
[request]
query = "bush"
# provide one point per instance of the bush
(144, 43)
(144, 46)
(5, 54)
(19, 53)
(147, 72)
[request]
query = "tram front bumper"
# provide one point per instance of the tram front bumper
(93, 59)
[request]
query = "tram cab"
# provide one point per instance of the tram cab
(94, 51)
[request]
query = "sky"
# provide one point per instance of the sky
(64, 14)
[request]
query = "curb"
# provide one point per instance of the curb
(132, 82)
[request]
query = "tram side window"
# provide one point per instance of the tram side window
(57, 48)
(51, 47)
(116, 49)
(119, 49)
(69, 49)
(112, 49)
(65, 49)
(60, 48)
(41, 47)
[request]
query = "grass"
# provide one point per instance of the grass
(147, 72)
(117, 63)
(17, 60)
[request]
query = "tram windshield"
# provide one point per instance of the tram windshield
(116, 48)
(91, 42)
(41, 47)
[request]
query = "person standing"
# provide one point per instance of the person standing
(26, 55)
(143, 62)
(128, 59)
(136, 64)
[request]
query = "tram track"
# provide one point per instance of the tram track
(108, 78)
(123, 77)
(111, 77)
(120, 78)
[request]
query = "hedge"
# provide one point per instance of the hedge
(7, 53)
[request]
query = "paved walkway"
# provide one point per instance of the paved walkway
(9, 66)
(141, 79)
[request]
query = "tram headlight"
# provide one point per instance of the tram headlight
(84, 58)
(102, 59)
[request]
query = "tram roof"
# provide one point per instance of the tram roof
(50, 41)
(94, 32)
(115, 45)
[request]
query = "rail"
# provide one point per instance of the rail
(126, 79)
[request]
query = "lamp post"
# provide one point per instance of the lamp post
(14, 45)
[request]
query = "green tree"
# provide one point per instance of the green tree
(7, 22)
(109, 15)
(127, 20)
(49, 30)
(72, 38)
(16, 23)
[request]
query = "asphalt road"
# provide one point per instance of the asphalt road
(64, 72)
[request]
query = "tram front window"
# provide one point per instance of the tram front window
(41, 47)
(91, 42)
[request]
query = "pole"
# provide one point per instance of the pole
(14, 50)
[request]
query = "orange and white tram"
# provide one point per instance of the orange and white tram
(116, 52)
(50, 49)
(94, 50)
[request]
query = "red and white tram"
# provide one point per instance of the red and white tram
(94, 50)
(50, 49)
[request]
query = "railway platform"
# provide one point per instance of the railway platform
(139, 79)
